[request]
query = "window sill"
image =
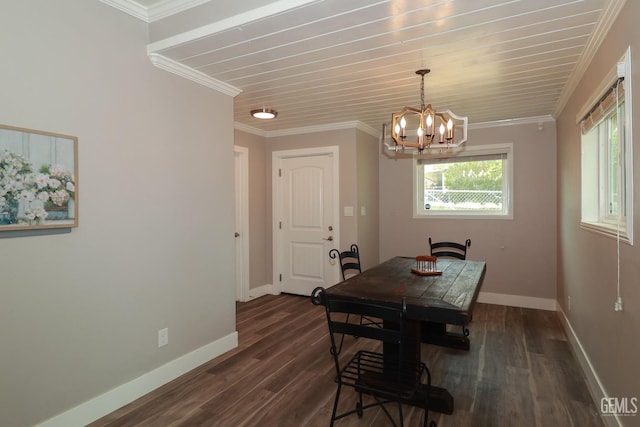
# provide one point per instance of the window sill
(461, 215)
(606, 230)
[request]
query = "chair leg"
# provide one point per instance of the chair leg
(401, 415)
(335, 405)
(426, 406)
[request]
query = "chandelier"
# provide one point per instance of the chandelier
(425, 128)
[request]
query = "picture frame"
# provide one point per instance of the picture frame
(38, 179)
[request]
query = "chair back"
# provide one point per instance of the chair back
(449, 249)
(389, 330)
(349, 260)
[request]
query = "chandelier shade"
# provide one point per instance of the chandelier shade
(425, 128)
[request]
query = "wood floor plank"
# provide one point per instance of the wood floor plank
(519, 371)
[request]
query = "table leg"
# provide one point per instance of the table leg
(440, 400)
(437, 334)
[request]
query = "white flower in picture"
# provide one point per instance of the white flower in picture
(59, 197)
(27, 196)
(42, 180)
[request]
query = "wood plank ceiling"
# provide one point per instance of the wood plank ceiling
(323, 63)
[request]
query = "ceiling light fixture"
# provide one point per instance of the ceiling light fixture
(264, 113)
(423, 123)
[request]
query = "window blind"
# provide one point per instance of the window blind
(604, 105)
(458, 159)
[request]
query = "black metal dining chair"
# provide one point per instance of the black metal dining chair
(349, 260)
(449, 249)
(384, 379)
(350, 266)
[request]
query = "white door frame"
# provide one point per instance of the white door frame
(242, 221)
(276, 157)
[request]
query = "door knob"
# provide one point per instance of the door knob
(330, 238)
(236, 234)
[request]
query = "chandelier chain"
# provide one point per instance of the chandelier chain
(422, 92)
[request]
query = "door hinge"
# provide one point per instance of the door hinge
(281, 277)
(280, 172)
(280, 225)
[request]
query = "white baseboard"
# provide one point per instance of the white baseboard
(596, 389)
(593, 381)
(518, 301)
(108, 402)
(262, 290)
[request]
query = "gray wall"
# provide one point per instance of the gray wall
(81, 311)
(259, 248)
(368, 182)
(520, 253)
(588, 262)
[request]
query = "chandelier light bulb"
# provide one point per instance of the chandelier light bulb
(403, 123)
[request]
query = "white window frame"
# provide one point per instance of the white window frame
(419, 212)
(594, 214)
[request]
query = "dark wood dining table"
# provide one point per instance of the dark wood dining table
(432, 302)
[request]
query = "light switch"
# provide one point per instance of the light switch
(363, 210)
(348, 211)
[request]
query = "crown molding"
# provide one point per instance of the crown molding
(308, 129)
(167, 8)
(193, 75)
(374, 132)
(512, 122)
(368, 129)
(249, 129)
(129, 7)
(313, 129)
(156, 12)
(609, 14)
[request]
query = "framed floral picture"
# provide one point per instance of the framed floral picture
(38, 179)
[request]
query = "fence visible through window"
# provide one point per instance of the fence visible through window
(476, 200)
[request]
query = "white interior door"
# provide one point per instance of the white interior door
(241, 162)
(306, 219)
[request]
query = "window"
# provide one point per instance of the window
(607, 169)
(477, 182)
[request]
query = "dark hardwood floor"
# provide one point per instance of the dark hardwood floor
(520, 371)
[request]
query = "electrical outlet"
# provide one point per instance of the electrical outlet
(163, 337)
